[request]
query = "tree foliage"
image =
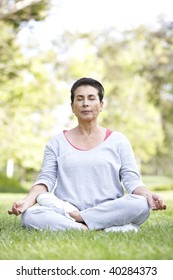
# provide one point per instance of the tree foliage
(134, 66)
(17, 11)
(136, 69)
(28, 98)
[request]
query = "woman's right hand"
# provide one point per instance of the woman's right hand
(19, 207)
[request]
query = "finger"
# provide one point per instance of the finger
(154, 207)
(14, 211)
(161, 206)
(10, 212)
(152, 203)
(17, 212)
(158, 205)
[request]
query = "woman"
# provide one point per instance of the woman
(84, 170)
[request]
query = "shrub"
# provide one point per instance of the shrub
(10, 185)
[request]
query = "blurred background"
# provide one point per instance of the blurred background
(45, 45)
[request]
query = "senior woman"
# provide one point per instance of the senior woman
(84, 173)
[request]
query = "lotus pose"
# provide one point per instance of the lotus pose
(89, 178)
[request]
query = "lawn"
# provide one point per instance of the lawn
(158, 183)
(154, 241)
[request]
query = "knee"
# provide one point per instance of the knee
(142, 208)
(27, 217)
(43, 197)
(141, 203)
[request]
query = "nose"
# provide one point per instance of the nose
(85, 102)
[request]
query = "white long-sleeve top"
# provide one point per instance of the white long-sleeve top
(87, 178)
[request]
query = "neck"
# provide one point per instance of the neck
(88, 128)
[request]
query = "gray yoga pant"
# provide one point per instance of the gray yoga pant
(127, 209)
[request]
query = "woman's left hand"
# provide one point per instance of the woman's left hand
(154, 200)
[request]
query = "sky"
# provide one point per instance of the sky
(89, 15)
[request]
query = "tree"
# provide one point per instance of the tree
(122, 63)
(23, 10)
(158, 71)
(26, 90)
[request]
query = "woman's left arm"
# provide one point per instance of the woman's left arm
(154, 200)
(131, 178)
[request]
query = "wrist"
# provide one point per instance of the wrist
(142, 191)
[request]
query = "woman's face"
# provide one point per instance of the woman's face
(86, 104)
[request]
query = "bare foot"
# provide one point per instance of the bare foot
(84, 227)
(75, 215)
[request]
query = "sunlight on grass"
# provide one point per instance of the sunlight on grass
(157, 183)
(149, 243)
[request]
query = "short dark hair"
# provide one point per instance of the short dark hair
(88, 82)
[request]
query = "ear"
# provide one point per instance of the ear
(101, 105)
(72, 107)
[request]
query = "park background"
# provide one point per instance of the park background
(44, 47)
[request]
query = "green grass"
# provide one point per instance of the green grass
(154, 241)
(10, 185)
(159, 183)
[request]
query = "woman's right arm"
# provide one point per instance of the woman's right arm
(44, 183)
(21, 205)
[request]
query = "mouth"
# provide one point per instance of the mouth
(86, 111)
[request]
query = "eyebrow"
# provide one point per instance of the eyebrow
(90, 95)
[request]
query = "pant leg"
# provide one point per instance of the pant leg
(42, 217)
(127, 209)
